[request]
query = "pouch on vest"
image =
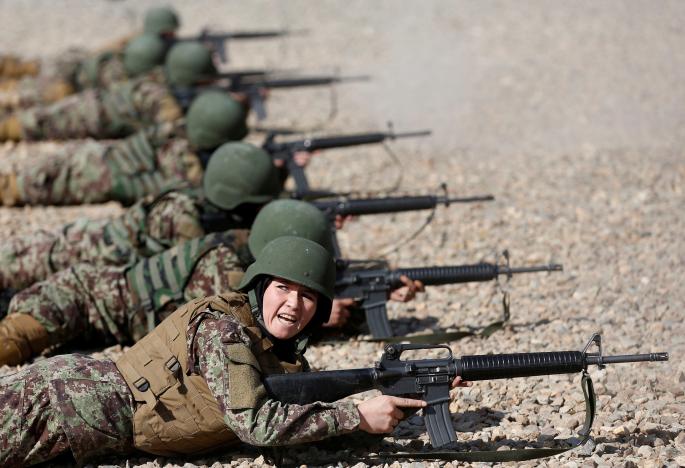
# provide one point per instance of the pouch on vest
(245, 388)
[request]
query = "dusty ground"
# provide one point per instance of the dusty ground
(571, 114)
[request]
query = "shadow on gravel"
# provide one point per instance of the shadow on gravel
(474, 421)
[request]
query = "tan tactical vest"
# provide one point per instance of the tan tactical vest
(175, 411)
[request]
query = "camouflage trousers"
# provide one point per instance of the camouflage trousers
(33, 91)
(65, 403)
(28, 259)
(82, 305)
(77, 116)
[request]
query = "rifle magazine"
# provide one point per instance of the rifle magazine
(377, 320)
(439, 424)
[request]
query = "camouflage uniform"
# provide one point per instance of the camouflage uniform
(148, 227)
(100, 71)
(113, 113)
(12, 66)
(85, 405)
(145, 163)
(104, 304)
(54, 405)
(239, 177)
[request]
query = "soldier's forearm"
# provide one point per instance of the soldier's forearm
(276, 423)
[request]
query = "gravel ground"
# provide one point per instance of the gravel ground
(569, 113)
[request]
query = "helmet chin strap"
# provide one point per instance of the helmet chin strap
(254, 306)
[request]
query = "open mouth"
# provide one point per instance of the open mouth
(289, 319)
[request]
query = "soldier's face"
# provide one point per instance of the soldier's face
(287, 308)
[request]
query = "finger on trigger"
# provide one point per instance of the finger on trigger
(408, 402)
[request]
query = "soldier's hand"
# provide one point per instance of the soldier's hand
(302, 158)
(241, 98)
(407, 292)
(340, 312)
(458, 382)
(340, 220)
(382, 413)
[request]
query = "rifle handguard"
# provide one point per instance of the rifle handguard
(435, 276)
(505, 366)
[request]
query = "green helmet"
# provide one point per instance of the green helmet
(215, 118)
(240, 173)
(159, 20)
(295, 259)
(144, 53)
(289, 218)
(187, 62)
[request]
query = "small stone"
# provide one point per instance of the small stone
(587, 449)
(648, 427)
(680, 460)
(542, 399)
(620, 430)
(645, 451)
(680, 440)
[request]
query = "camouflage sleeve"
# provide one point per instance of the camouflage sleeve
(155, 102)
(218, 271)
(177, 161)
(174, 219)
(112, 70)
(267, 421)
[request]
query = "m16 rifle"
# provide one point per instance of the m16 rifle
(253, 83)
(367, 206)
(218, 40)
(371, 288)
(255, 87)
(219, 220)
(430, 380)
(286, 150)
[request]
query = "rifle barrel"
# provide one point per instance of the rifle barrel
(301, 81)
(477, 198)
(531, 269)
(620, 359)
(418, 133)
(255, 34)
